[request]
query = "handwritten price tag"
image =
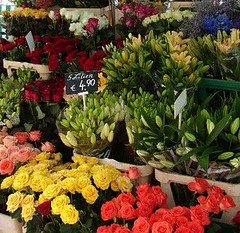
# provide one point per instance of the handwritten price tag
(81, 82)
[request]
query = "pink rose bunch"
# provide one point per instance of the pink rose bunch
(147, 211)
(50, 90)
(17, 148)
(133, 15)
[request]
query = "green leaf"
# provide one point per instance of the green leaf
(191, 153)
(203, 159)
(41, 114)
(217, 129)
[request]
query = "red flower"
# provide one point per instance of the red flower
(126, 212)
(71, 56)
(8, 47)
(226, 203)
(44, 209)
(109, 210)
(183, 229)
(53, 62)
(162, 227)
(144, 211)
(200, 215)
(20, 41)
(31, 95)
(209, 203)
(236, 219)
(126, 197)
(141, 225)
(49, 47)
(196, 227)
(88, 65)
(199, 186)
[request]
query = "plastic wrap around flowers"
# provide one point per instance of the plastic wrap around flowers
(84, 24)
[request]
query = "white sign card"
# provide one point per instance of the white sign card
(30, 41)
(180, 103)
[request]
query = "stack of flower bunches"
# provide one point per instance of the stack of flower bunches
(94, 126)
(152, 62)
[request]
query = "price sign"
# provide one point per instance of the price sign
(81, 82)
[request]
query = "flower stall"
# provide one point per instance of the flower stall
(132, 126)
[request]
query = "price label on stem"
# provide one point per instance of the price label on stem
(81, 82)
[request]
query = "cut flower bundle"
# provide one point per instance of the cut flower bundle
(145, 210)
(47, 193)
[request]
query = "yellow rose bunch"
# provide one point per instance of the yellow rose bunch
(70, 193)
(26, 12)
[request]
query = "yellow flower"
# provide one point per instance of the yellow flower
(7, 182)
(102, 179)
(57, 156)
(56, 177)
(43, 156)
(35, 182)
(112, 172)
(90, 193)
(114, 186)
(28, 199)
(84, 167)
(41, 167)
(92, 161)
(82, 182)
(79, 159)
(124, 184)
(69, 214)
(28, 212)
(102, 81)
(26, 168)
(45, 182)
(21, 181)
(14, 201)
(41, 199)
(69, 184)
(51, 191)
(58, 203)
(72, 173)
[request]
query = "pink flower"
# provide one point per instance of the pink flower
(6, 167)
(48, 147)
(22, 137)
(23, 155)
(35, 135)
(3, 152)
(133, 173)
(9, 141)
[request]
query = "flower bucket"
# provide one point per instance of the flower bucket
(233, 190)
(43, 70)
(184, 5)
(145, 170)
(9, 225)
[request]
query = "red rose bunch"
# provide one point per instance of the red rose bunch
(216, 199)
(85, 61)
(147, 211)
(49, 90)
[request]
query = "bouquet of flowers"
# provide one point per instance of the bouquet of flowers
(133, 16)
(170, 20)
(20, 21)
(212, 16)
(65, 197)
(90, 28)
(145, 210)
(81, 4)
(15, 151)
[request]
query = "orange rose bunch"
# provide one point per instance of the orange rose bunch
(147, 211)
